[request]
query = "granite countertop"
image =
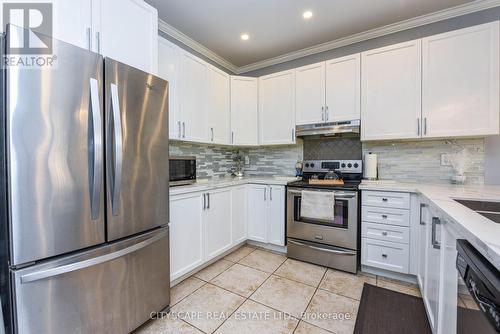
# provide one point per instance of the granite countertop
(227, 181)
(480, 231)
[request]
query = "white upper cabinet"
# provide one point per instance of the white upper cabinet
(72, 22)
(461, 82)
(277, 108)
(193, 98)
(310, 94)
(125, 30)
(244, 114)
(168, 69)
(391, 92)
(219, 111)
(343, 76)
(128, 32)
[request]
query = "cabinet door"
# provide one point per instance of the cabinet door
(186, 234)
(244, 123)
(72, 22)
(218, 106)
(447, 323)
(461, 82)
(168, 69)
(193, 98)
(277, 108)
(343, 100)
(257, 212)
(391, 92)
(239, 214)
(276, 218)
(128, 32)
(422, 245)
(217, 222)
(432, 270)
(310, 94)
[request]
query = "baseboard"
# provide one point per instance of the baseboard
(274, 248)
(389, 274)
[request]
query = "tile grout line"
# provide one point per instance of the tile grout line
(314, 293)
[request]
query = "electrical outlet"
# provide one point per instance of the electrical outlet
(247, 160)
(445, 159)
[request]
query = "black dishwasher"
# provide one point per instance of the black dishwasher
(478, 310)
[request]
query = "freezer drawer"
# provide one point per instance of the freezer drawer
(109, 290)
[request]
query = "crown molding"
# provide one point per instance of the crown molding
(460, 10)
(188, 41)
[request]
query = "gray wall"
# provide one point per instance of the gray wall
(492, 160)
(459, 22)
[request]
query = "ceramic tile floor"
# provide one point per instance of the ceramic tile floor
(253, 290)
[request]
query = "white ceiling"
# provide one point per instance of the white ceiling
(276, 27)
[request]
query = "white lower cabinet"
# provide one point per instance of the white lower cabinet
(276, 221)
(257, 212)
(204, 225)
(432, 269)
(266, 214)
(239, 213)
(186, 234)
(217, 222)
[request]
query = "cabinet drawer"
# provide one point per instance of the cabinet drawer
(386, 199)
(385, 232)
(385, 255)
(389, 216)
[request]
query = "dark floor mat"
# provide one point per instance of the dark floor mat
(389, 312)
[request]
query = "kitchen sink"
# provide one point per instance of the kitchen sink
(490, 210)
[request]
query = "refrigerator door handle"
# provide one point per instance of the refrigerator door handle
(95, 139)
(47, 273)
(118, 161)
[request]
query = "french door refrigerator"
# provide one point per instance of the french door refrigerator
(85, 239)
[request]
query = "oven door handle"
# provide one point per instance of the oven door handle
(337, 195)
(341, 252)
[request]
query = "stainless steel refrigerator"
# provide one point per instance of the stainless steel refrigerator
(85, 194)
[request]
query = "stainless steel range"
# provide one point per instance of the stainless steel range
(329, 239)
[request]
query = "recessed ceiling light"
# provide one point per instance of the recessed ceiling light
(244, 37)
(307, 14)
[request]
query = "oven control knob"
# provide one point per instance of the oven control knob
(307, 165)
(349, 165)
(312, 165)
(356, 165)
(343, 165)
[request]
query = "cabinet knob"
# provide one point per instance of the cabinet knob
(384, 216)
(384, 233)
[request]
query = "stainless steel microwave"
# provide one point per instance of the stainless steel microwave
(182, 170)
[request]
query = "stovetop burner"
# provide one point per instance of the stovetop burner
(348, 170)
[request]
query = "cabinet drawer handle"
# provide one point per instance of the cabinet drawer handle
(384, 216)
(384, 199)
(384, 233)
(384, 256)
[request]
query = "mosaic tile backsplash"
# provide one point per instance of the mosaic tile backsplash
(414, 161)
(216, 160)
(420, 161)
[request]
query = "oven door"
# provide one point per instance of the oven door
(342, 231)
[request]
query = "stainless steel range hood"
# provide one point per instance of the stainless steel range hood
(330, 129)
